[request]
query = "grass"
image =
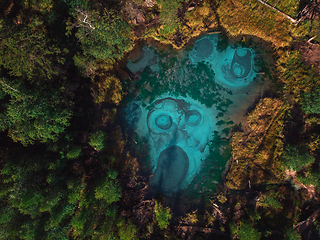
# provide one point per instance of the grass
(256, 155)
(252, 18)
(289, 7)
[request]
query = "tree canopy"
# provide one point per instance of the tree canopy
(69, 169)
(26, 51)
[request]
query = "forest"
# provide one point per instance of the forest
(68, 170)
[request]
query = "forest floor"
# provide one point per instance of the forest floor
(310, 53)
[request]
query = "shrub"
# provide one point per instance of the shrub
(163, 215)
(97, 140)
(245, 231)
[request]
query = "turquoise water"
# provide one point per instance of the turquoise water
(233, 67)
(185, 102)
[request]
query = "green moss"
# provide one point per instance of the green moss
(300, 81)
(310, 177)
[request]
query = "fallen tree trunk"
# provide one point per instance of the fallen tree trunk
(309, 41)
(301, 226)
(287, 16)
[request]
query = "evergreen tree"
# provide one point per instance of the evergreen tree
(105, 37)
(245, 231)
(310, 177)
(97, 140)
(33, 115)
(300, 81)
(163, 215)
(295, 158)
(26, 51)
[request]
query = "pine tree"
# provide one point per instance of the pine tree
(33, 115)
(103, 37)
(26, 51)
(295, 158)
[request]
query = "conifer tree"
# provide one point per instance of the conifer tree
(103, 37)
(26, 51)
(31, 115)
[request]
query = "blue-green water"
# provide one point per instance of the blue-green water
(186, 101)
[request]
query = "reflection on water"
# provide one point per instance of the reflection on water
(172, 167)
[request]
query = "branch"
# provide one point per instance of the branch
(85, 19)
(287, 16)
(309, 41)
(10, 87)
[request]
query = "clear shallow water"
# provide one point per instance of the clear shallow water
(182, 100)
(178, 131)
(232, 67)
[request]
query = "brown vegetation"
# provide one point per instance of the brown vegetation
(254, 153)
(310, 53)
